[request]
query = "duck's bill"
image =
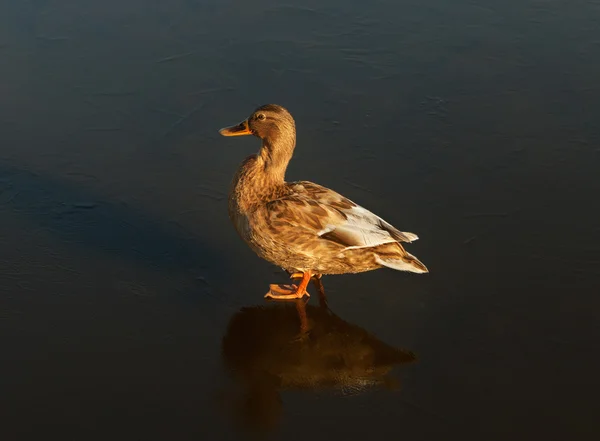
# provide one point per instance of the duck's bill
(239, 130)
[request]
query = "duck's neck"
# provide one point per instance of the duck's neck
(275, 155)
(261, 177)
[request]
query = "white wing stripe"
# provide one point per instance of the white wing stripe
(363, 226)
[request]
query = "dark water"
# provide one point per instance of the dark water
(129, 308)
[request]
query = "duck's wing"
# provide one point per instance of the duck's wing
(330, 216)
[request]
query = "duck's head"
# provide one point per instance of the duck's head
(269, 122)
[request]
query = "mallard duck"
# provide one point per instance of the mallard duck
(302, 227)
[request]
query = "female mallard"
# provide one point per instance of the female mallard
(306, 229)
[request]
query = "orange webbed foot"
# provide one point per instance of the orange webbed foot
(285, 292)
(290, 292)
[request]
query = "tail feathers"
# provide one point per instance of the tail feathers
(408, 262)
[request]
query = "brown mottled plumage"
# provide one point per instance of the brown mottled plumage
(306, 229)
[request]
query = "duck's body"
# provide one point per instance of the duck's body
(303, 227)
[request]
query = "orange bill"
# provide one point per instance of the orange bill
(239, 130)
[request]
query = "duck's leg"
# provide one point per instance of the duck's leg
(316, 278)
(319, 285)
(290, 292)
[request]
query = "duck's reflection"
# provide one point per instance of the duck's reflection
(273, 348)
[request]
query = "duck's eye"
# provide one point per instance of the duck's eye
(261, 117)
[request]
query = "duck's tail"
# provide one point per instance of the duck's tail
(403, 261)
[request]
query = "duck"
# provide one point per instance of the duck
(304, 228)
